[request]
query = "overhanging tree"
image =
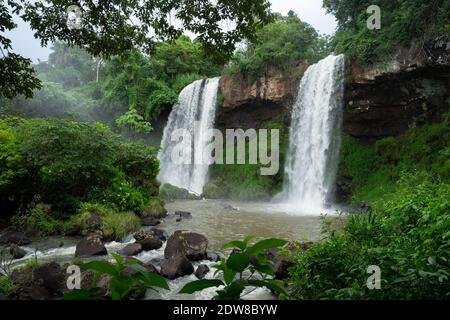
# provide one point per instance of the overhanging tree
(114, 27)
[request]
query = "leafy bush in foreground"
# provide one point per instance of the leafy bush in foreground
(62, 163)
(238, 272)
(407, 237)
(120, 286)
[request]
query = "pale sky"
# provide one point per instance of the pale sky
(309, 11)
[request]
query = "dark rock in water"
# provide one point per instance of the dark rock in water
(281, 263)
(281, 268)
(230, 207)
(161, 234)
(130, 271)
(183, 214)
(14, 236)
(17, 252)
(190, 244)
(157, 261)
(150, 244)
(176, 266)
(177, 219)
(202, 271)
(150, 222)
(131, 249)
(91, 246)
(212, 256)
(150, 234)
(51, 276)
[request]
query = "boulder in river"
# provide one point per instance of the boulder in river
(176, 266)
(183, 214)
(131, 249)
(129, 271)
(202, 271)
(17, 252)
(192, 245)
(150, 233)
(150, 244)
(212, 256)
(89, 247)
(150, 222)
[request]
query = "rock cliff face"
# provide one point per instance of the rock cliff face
(248, 103)
(387, 99)
(380, 100)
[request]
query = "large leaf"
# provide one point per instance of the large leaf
(199, 285)
(101, 266)
(232, 292)
(265, 244)
(149, 278)
(270, 284)
(238, 262)
(235, 244)
(228, 275)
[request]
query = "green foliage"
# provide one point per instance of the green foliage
(108, 30)
(375, 169)
(63, 163)
(406, 182)
(116, 225)
(170, 192)
(407, 237)
(402, 21)
(41, 218)
(238, 273)
(154, 208)
(6, 285)
(120, 286)
(278, 46)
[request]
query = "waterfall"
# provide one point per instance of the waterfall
(195, 113)
(314, 137)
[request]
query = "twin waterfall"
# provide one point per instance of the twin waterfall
(314, 137)
(311, 165)
(195, 112)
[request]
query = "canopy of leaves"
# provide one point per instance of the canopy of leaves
(62, 163)
(402, 21)
(278, 45)
(116, 27)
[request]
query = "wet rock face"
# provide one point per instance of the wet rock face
(131, 249)
(387, 99)
(176, 266)
(190, 244)
(250, 102)
(17, 252)
(394, 103)
(202, 271)
(90, 246)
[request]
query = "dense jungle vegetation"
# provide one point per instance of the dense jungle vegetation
(83, 143)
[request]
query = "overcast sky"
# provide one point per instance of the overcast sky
(309, 11)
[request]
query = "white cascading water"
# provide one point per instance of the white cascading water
(314, 136)
(194, 111)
